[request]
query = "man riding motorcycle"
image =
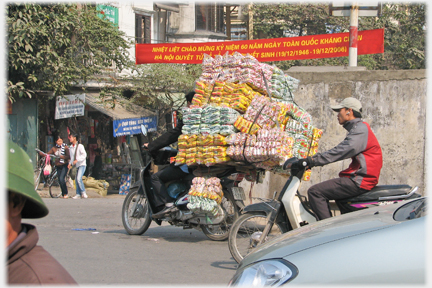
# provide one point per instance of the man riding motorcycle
(162, 199)
(362, 174)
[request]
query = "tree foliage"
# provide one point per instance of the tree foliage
(54, 46)
(404, 39)
(158, 87)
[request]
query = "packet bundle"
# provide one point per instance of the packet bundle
(228, 115)
(210, 114)
(246, 126)
(191, 129)
(205, 195)
(227, 129)
(191, 115)
(282, 85)
(263, 111)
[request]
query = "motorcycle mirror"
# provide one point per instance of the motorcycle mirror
(143, 130)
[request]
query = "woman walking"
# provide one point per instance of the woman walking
(62, 156)
(78, 157)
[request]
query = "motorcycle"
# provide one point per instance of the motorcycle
(138, 205)
(263, 221)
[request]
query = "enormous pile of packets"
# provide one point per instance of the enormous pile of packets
(234, 121)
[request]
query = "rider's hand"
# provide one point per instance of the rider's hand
(145, 145)
(305, 162)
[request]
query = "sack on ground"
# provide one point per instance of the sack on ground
(101, 186)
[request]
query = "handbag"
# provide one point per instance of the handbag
(72, 172)
(47, 169)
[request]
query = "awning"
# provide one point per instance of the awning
(119, 111)
(127, 120)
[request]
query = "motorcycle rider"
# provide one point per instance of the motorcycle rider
(163, 201)
(361, 146)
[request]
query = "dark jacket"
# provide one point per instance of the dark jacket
(363, 148)
(167, 138)
(31, 264)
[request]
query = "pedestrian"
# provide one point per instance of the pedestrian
(61, 161)
(78, 157)
(97, 164)
(361, 145)
(27, 263)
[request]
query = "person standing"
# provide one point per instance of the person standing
(27, 263)
(78, 157)
(97, 164)
(361, 145)
(61, 161)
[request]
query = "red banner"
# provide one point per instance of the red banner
(264, 50)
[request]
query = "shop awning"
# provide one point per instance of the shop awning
(120, 111)
(127, 120)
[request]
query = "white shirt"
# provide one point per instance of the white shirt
(81, 155)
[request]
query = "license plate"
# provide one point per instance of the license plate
(238, 193)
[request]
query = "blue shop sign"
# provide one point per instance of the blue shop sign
(133, 126)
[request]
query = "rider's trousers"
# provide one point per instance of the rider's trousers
(333, 189)
(159, 179)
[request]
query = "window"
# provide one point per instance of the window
(209, 17)
(142, 29)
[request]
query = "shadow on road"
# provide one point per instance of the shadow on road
(167, 233)
(231, 265)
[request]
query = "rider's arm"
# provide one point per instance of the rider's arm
(167, 138)
(353, 144)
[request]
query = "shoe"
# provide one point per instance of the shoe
(76, 197)
(161, 213)
(64, 196)
(84, 195)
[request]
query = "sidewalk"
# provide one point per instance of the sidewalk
(91, 193)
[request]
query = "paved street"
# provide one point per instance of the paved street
(164, 255)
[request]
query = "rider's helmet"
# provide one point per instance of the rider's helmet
(20, 180)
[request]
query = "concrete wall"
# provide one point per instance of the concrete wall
(394, 104)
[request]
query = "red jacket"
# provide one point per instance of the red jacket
(363, 148)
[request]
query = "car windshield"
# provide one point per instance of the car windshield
(412, 210)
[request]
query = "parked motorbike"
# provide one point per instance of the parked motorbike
(263, 221)
(139, 204)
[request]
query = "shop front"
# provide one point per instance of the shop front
(111, 135)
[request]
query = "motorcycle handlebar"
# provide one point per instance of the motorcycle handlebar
(288, 163)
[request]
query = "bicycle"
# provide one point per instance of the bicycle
(50, 180)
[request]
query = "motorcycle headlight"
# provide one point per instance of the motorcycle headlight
(274, 272)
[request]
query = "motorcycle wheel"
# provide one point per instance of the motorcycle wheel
(220, 232)
(54, 193)
(245, 231)
(135, 221)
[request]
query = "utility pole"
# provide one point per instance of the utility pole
(250, 22)
(228, 21)
(353, 30)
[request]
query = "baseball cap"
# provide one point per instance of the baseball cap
(20, 180)
(349, 102)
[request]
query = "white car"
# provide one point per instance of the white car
(380, 245)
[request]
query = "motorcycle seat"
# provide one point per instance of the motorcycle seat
(380, 191)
